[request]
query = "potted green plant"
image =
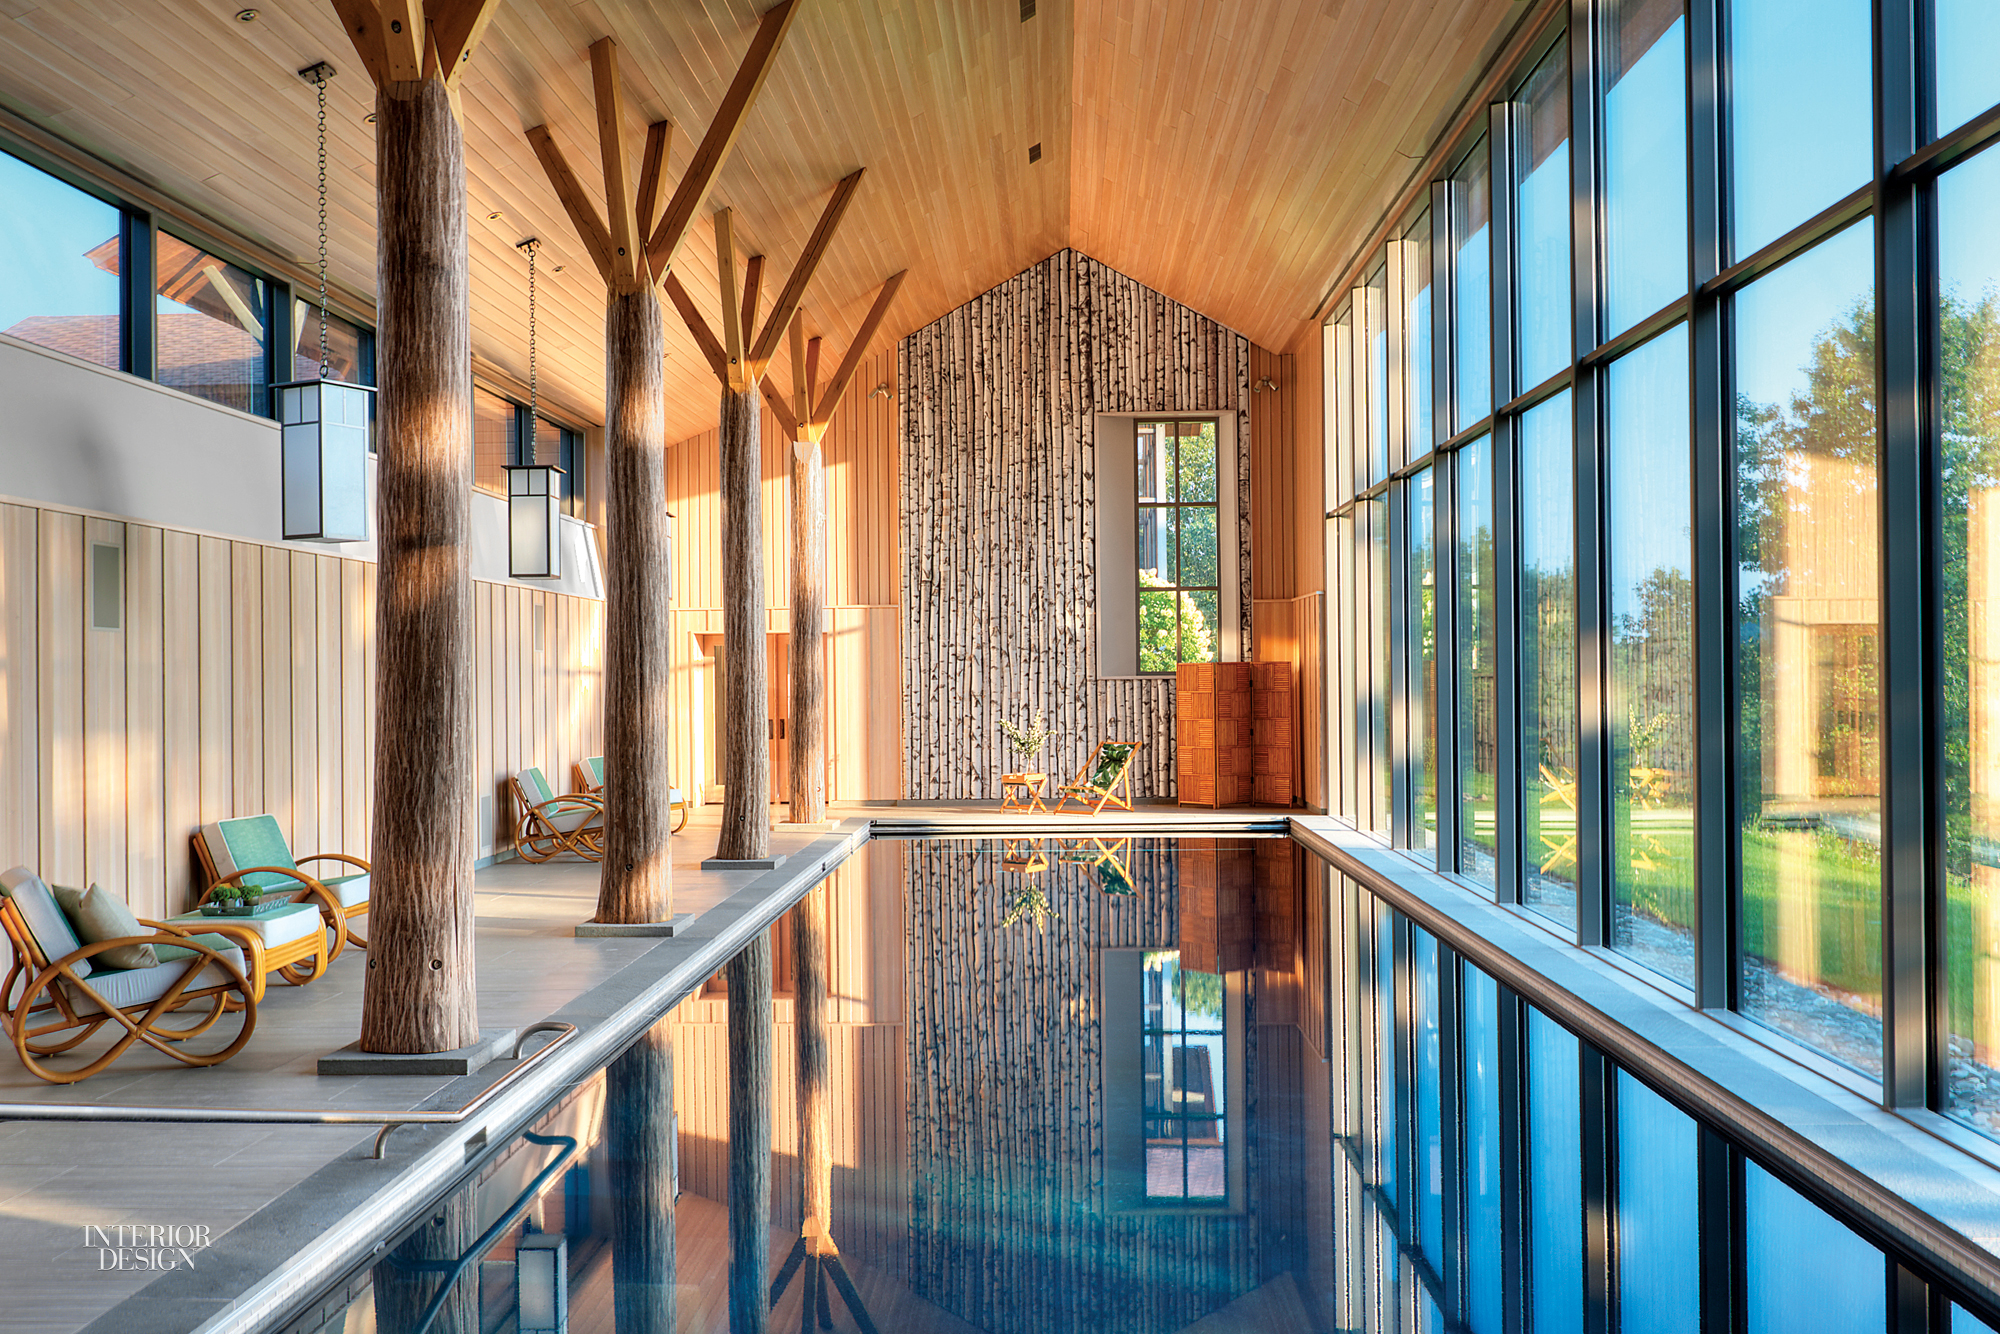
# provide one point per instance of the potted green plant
(1026, 741)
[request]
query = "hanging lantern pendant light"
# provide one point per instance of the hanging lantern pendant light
(534, 489)
(324, 421)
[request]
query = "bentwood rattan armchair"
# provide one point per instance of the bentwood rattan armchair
(59, 991)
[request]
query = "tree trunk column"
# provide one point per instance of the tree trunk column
(808, 721)
(639, 1134)
(746, 751)
(419, 994)
(809, 1009)
(636, 883)
(749, 978)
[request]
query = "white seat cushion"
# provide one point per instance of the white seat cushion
(141, 986)
(569, 816)
(291, 922)
(349, 889)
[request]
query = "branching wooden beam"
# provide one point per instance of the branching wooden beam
(775, 401)
(610, 97)
(403, 39)
(456, 27)
(753, 287)
(830, 401)
(802, 396)
(692, 193)
(794, 291)
(652, 172)
(575, 201)
(812, 367)
(704, 337)
(732, 314)
(364, 25)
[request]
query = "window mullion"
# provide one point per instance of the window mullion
(1911, 666)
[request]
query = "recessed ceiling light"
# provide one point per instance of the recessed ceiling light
(368, 119)
(557, 269)
(246, 16)
(495, 216)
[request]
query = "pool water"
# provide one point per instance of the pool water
(1125, 1085)
(1068, 1087)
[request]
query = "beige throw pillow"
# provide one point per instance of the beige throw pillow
(97, 916)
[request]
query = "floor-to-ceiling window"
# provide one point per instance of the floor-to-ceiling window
(1696, 485)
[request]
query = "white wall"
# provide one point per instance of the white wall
(82, 437)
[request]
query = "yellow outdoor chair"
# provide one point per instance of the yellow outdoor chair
(549, 824)
(1106, 778)
(60, 991)
(589, 777)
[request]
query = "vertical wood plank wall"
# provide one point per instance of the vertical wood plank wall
(998, 520)
(864, 645)
(1288, 513)
(239, 680)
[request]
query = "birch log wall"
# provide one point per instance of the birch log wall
(864, 682)
(239, 679)
(999, 517)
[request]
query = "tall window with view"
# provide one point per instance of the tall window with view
(1180, 575)
(1808, 770)
(1968, 460)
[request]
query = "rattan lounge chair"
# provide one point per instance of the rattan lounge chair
(253, 851)
(1106, 774)
(58, 993)
(589, 777)
(573, 822)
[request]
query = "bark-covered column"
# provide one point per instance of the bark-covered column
(419, 994)
(639, 1136)
(807, 725)
(746, 749)
(809, 1011)
(749, 978)
(636, 882)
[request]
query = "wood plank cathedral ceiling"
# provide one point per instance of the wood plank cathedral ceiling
(1231, 153)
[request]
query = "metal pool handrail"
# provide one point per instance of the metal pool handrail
(388, 1120)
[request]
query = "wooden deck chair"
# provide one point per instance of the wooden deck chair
(1106, 774)
(253, 851)
(59, 990)
(589, 778)
(573, 822)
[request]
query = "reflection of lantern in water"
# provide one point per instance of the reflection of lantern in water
(541, 1277)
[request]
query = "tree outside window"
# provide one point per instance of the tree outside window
(1180, 580)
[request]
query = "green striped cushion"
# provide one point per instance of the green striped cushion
(594, 766)
(536, 786)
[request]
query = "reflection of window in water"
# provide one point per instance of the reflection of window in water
(1185, 1066)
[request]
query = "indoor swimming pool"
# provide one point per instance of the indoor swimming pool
(1131, 1084)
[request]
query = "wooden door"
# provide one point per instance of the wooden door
(779, 706)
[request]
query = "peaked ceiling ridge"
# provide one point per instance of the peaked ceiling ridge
(1140, 283)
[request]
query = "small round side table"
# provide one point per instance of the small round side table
(1023, 792)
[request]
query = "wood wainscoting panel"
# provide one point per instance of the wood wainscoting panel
(226, 678)
(20, 691)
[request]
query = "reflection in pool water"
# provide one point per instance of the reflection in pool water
(1202, 1074)
(1011, 1145)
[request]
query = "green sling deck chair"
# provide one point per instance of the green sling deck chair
(1106, 778)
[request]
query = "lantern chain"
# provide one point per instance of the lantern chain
(325, 363)
(531, 245)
